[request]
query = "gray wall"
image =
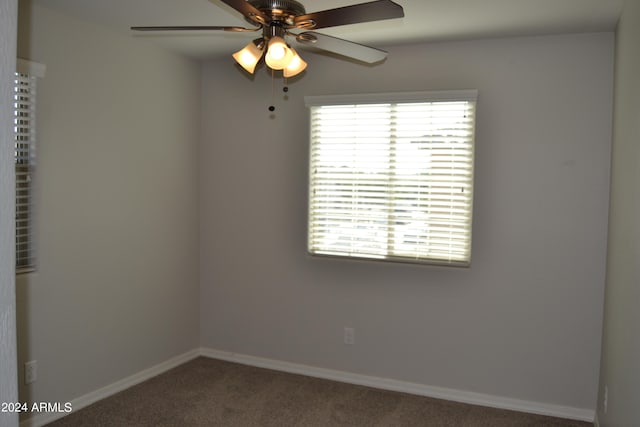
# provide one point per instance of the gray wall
(8, 372)
(523, 322)
(620, 371)
(116, 289)
(121, 176)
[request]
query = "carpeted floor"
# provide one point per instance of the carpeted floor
(208, 392)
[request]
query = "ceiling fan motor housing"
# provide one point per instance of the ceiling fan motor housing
(280, 11)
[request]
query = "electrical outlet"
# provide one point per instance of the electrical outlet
(605, 399)
(349, 336)
(30, 371)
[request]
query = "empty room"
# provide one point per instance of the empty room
(427, 216)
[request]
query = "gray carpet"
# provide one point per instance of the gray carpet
(208, 392)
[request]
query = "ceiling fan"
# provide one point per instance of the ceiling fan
(277, 18)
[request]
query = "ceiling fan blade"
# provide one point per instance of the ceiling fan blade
(342, 47)
(195, 28)
(248, 10)
(354, 14)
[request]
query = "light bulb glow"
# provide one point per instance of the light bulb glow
(246, 57)
(277, 52)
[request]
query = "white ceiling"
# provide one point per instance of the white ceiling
(425, 20)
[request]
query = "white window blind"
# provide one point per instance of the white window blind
(24, 103)
(391, 176)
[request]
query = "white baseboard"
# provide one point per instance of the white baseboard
(480, 399)
(104, 392)
(330, 374)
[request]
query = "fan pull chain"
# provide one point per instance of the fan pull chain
(273, 91)
(285, 89)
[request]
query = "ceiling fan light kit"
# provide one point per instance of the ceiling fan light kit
(276, 19)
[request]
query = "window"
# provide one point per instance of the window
(24, 103)
(391, 176)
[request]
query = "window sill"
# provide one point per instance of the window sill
(25, 270)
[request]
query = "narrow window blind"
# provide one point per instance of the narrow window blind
(392, 180)
(24, 112)
(24, 146)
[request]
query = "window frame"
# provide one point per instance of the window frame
(469, 96)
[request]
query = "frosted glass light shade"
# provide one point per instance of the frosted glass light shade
(248, 57)
(296, 65)
(278, 54)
